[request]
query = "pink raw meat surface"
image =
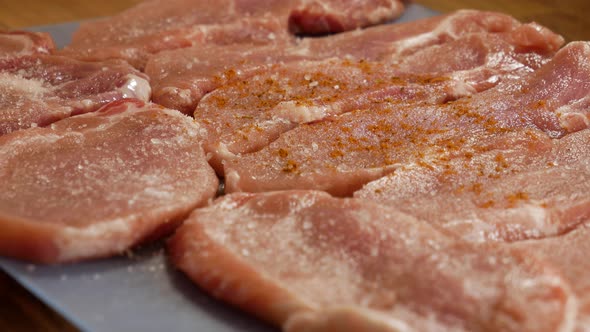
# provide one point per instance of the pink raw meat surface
(180, 78)
(245, 115)
(321, 16)
(345, 152)
(531, 187)
(569, 253)
(157, 25)
(306, 261)
(21, 43)
(96, 184)
(40, 89)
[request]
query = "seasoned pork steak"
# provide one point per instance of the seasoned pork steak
(530, 186)
(459, 41)
(343, 153)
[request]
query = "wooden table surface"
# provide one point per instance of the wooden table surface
(20, 311)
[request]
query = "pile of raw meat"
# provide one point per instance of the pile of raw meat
(316, 169)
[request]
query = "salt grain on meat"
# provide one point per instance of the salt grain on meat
(97, 184)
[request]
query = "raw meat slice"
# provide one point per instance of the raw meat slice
(399, 40)
(41, 89)
(309, 262)
(483, 60)
(321, 16)
(138, 49)
(21, 43)
(158, 25)
(343, 153)
(246, 116)
(180, 78)
(532, 187)
(555, 99)
(279, 98)
(569, 253)
(495, 158)
(96, 184)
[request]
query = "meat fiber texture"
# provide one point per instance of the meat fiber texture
(463, 224)
(463, 138)
(39, 89)
(514, 185)
(569, 253)
(529, 186)
(321, 17)
(345, 152)
(244, 116)
(21, 43)
(180, 78)
(96, 184)
(157, 25)
(306, 261)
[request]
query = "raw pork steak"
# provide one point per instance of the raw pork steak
(343, 153)
(325, 16)
(245, 115)
(96, 184)
(528, 187)
(21, 43)
(158, 25)
(569, 253)
(180, 78)
(398, 40)
(41, 89)
(309, 262)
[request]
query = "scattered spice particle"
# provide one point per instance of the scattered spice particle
(290, 167)
(283, 153)
(477, 188)
(424, 164)
(540, 104)
(501, 162)
(487, 204)
(336, 154)
(513, 199)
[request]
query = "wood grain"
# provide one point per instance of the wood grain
(567, 17)
(24, 13)
(21, 311)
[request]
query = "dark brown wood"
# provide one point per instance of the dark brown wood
(567, 17)
(25, 13)
(21, 311)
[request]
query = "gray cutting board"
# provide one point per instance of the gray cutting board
(139, 293)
